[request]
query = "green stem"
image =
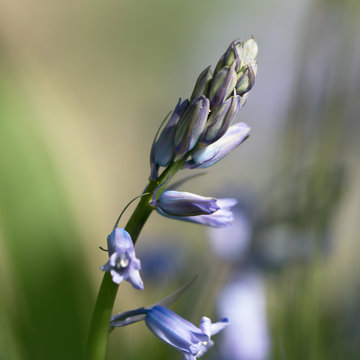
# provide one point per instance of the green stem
(100, 322)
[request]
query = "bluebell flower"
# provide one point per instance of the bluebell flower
(223, 216)
(181, 203)
(190, 340)
(181, 334)
(123, 264)
(205, 156)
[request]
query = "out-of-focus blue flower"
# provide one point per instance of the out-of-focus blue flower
(123, 264)
(179, 333)
(181, 203)
(248, 336)
(191, 125)
(220, 218)
(162, 151)
(203, 157)
(238, 238)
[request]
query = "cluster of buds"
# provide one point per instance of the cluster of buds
(200, 130)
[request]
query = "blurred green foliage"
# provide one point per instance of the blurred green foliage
(84, 86)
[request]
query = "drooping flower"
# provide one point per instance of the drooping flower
(203, 157)
(221, 217)
(181, 203)
(190, 340)
(122, 263)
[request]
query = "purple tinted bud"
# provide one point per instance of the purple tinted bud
(219, 121)
(231, 55)
(222, 85)
(211, 154)
(246, 79)
(181, 334)
(180, 203)
(191, 125)
(220, 218)
(123, 264)
(202, 84)
(162, 151)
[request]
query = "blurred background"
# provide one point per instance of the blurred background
(84, 85)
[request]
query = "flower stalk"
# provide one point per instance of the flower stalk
(199, 133)
(100, 322)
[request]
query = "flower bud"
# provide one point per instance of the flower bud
(231, 55)
(191, 125)
(206, 156)
(223, 85)
(246, 79)
(250, 50)
(162, 151)
(202, 84)
(219, 121)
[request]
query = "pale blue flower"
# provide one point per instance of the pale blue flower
(181, 334)
(181, 203)
(190, 340)
(248, 337)
(205, 156)
(219, 218)
(123, 264)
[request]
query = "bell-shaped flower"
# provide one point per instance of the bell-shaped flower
(181, 203)
(205, 156)
(181, 334)
(190, 340)
(221, 217)
(123, 264)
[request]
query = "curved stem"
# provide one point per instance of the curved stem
(100, 322)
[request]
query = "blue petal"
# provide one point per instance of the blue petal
(211, 154)
(179, 203)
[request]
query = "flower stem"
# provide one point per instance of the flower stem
(100, 322)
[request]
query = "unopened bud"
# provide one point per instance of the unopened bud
(162, 151)
(202, 84)
(231, 55)
(191, 125)
(246, 79)
(219, 121)
(250, 49)
(222, 85)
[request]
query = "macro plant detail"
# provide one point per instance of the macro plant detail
(198, 133)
